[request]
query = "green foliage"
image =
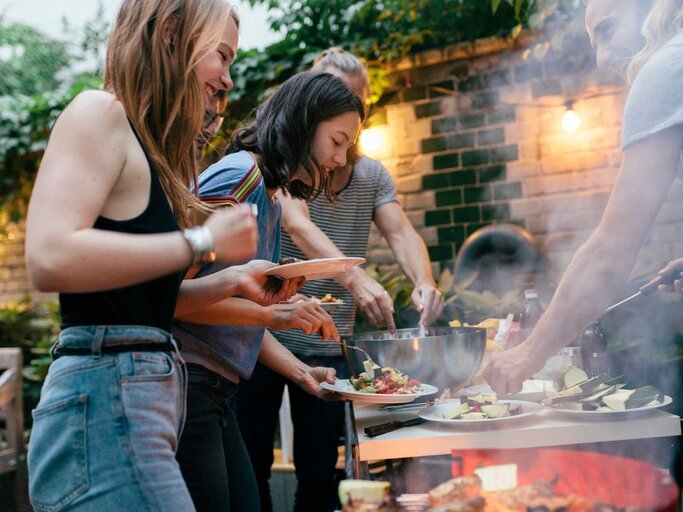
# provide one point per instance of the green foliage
(36, 84)
(33, 329)
(466, 306)
(24, 127)
(30, 61)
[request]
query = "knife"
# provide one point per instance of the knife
(645, 290)
(383, 428)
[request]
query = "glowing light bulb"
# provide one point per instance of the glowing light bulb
(372, 142)
(570, 120)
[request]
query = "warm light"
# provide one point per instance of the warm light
(570, 120)
(416, 344)
(372, 142)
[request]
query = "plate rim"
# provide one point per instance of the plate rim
(369, 398)
(273, 271)
(606, 414)
(488, 421)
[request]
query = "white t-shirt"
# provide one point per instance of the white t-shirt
(655, 101)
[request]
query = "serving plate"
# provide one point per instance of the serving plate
(435, 413)
(345, 389)
(321, 268)
(607, 415)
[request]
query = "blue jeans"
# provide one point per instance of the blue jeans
(212, 455)
(106, 429)
(318, 426)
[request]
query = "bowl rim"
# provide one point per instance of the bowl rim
(413, 332)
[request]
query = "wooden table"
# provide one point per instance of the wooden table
(545, 429)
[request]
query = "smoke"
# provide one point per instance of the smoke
(566, 180)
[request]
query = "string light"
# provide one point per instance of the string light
(372, 142)
(570, 120)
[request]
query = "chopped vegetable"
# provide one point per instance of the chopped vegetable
(391, 381)
(569, 377)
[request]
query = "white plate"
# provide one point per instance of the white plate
(345, 389)
(322, 268)
(532, 390)
(435, 413)
(608, 415)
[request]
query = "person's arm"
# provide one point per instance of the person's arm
(368, 294)
(307, 316)
(279, 359)
(247, 281)
(86, 156)
(602, 265)
(413, 258)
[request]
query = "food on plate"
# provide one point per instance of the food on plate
(328, 299)
(569, 377)
(389, 382)
(573, 390)
(480, 407)
(365, 496)
(465, 494)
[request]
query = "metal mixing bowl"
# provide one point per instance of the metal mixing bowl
(446, 357)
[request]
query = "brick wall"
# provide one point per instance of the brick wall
(474, 138)
(14, 282)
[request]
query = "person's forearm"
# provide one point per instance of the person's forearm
(231, 311)
(595, 275)
(200, 292)
(276, 357)
(412, 255)
(313, 242)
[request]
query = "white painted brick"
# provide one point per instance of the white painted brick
(420, 201)
(409, 184)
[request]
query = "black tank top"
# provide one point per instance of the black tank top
(150, 303)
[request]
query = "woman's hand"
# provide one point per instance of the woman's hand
(310, 382)
(234, 233)
(265, 290)
(305, 315)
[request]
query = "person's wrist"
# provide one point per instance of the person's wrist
(267, 315)
(201, 243)
(348, 278)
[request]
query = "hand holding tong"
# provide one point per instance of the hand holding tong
(646, 289)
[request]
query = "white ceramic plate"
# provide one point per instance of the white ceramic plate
(532, 390)
(322, 268)
(345, 389)
(435, 413)
(608, 415)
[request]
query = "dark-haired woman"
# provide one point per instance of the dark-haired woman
(297, 138)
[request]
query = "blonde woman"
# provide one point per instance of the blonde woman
(105, 231)
(650, 54)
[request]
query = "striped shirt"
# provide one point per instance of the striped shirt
(347, 223)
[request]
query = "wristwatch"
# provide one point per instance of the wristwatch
(201, 243)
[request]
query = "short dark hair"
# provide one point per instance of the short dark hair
(283, 128)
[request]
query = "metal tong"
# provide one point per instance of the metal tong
(646, 289)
